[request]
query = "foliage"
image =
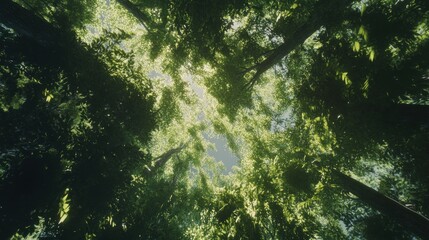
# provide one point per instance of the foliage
(105, 109)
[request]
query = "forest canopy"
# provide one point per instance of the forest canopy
(114, 114)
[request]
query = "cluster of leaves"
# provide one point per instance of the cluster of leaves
(70, 125)
(304, 90)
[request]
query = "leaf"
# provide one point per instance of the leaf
(362, 9)
(110, 221)
(365, 84)
(363, 32)
(345, 78)
(62, 218)
(278, 17)
(64, 207)
(317, 45)
(295, 5)
(65, 197)
(356, 46)
(371, 54)
(365, 87)
(48, 95)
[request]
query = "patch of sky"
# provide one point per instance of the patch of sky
(199, 91)
(155, 74)
(201, 116)
(280, 122)
(221, 151)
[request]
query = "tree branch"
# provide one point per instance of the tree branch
(145, 20)
(293, 40)
(161, 160)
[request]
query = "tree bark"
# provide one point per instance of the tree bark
(161, 160)
(26, 24)
(414, 221)
(138, 14)
(325, 11)
(413, 114)
(283, 50)
(47, 46)
(59, 48)
(393, 115)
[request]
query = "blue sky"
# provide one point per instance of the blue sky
(222, 152)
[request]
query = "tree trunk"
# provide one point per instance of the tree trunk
(410, 114)
(51, 46)
(59, 48)
(414, 221)
(395, 120)
(48, 46)
(139, 15)
(161, 160)
(326, 11)
(283, 50)
(26, 24)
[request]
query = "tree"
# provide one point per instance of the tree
(386, 205)
(359, 80)
(88, 148)
(105, 109)
(238, 58)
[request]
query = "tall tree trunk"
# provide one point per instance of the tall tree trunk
(283, 50)
(326, 11)
(59, 48)
(386, 121)
(27, 24)
(410, 114)
(414, 221)
(47, 46)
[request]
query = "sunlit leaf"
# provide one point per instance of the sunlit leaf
(345, 78)
(62, 218)
(49, 98)
(317, 45)
(48, 95)
(110, 221)
(64, 206)
(362, 8)
(356, 46)
(363, 32)
(295, 5)
(371, 55)
(365, 87)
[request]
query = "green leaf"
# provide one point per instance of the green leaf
(363, 32)
(345, 78)
(371, 55)
(48, 95)
(365, 87)
(64, 207)
(317, 45)
(62, 218)
(362, 9)
(365, 84)
(356, 46)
